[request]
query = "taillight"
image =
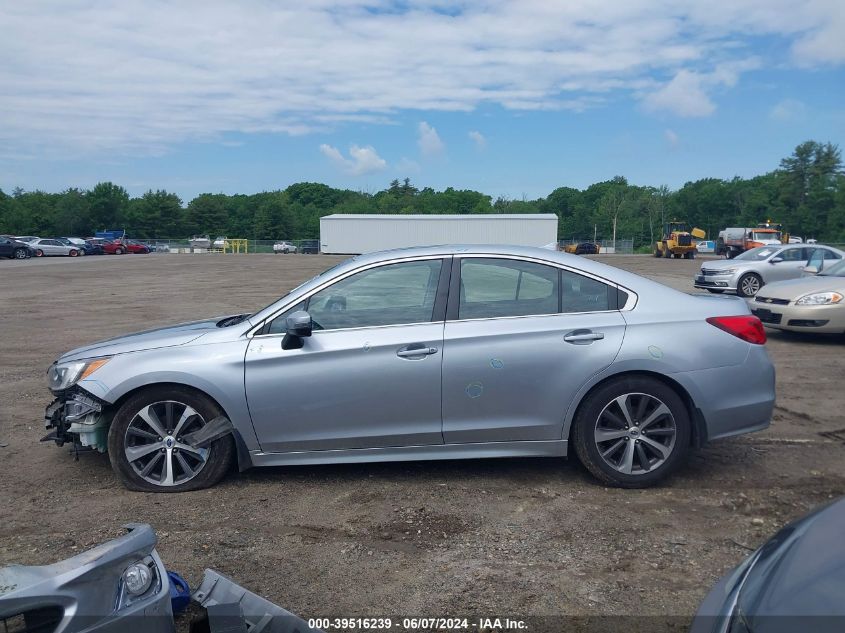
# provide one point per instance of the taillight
(747, 327)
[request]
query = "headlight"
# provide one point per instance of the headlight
(65, 375)
(137, 579)
(819, 299)
(723, 271)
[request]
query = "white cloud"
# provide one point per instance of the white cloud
(672, 138)
(684, 96)
(788, 110)
(429, 140)
(478, 138)
(135, 77)
(362, 160)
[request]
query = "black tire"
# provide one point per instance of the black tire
(20, 253)
(746, 285)
(666, 252)
(588, 418)
(656, 252)
(730, 253)
(218, 462)
(677, 255)
(715, 291)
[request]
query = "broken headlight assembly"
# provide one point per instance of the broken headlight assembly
(137, 581)
(61, 376)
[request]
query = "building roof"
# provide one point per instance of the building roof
(425, 216)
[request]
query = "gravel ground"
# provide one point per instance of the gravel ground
(517, 537)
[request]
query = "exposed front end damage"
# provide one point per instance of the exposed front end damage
(78, 418)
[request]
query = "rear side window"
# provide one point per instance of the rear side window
(583, 294)
(493, 288)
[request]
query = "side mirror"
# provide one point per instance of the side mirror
(776, 260)
(811, 270)
(297, 326)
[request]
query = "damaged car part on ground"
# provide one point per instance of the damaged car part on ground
(122, 586)
(446, 352)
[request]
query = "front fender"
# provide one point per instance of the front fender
(215, 369)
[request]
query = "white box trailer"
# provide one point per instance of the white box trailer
(347, 234)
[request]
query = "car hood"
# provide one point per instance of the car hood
(150, 339)
(794, 288)
(724, 264)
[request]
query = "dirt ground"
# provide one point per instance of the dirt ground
(518, 537)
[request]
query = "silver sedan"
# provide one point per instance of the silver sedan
(745, 274)
(47, 247)
(420, 354)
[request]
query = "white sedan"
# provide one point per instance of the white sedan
(45, 247)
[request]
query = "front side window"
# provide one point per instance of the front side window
(388, 295)
(793, 255)
(493, 288)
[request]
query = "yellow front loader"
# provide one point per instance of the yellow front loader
(677, 241)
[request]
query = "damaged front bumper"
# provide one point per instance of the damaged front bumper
(77, 418)
(89, 592)
(97, 592)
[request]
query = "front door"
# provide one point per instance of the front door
(793, 263)
(368, 377)
(525, 338)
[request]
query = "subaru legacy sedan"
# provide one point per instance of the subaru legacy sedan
(426, 353)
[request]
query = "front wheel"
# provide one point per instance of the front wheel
(749, 285)
(20, 253)
(632, 432)
(147, 446)
(118, 251)
(73, 253)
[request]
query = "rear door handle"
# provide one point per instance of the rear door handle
(583, 337)
(416, 350)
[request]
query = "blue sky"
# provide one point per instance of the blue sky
(510, 98)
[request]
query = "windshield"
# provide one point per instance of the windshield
(759, 236)
(757, 254)
(837, 270)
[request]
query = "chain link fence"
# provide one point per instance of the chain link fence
(184, 245)
(620, 246)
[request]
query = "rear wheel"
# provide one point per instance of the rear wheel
(39, 252)
(147, 446)
(749, 284)
(656, 252)
(632, 432)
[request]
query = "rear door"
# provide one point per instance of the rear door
(521, 338)
(5, 247)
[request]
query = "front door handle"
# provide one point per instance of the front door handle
(415, 350)
(583, 337)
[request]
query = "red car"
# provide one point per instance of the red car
(119, 247)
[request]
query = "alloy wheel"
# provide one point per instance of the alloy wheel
(635, 433)
(750, 285)
(154, 443)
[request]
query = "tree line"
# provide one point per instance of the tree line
(806, 193)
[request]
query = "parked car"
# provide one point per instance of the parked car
(706, 246)
(283, 248)
(47, 247)
(309, 247)
(15, 249)
(794, 582)
(94, 247)
(115, 247)
(27, 238)
(746, 273)
(582, 248)
(591, 365)
(813, 303)
(794, 239)
(220, 242)
(84, 247)
(136, 248)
